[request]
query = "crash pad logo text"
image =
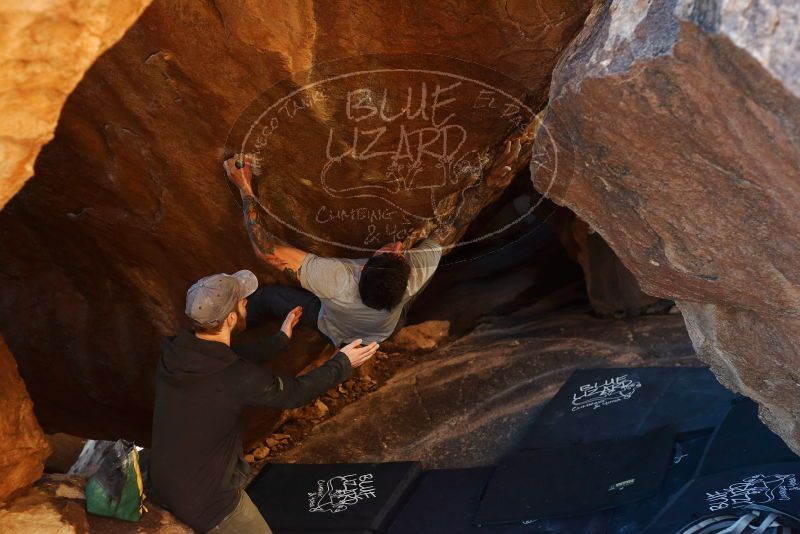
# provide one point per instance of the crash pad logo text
(338, 493)
(602, 394)
(757, 489)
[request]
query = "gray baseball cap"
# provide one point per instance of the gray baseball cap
(212, 298)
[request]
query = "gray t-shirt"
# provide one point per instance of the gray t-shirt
(343, 317)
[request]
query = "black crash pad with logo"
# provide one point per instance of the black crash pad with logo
(612, 403)
(742, 440)
(446, 501)
(772, 485)
(332, 497)
(687, 453)
(576, 480)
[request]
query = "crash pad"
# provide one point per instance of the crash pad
(610, 403)
(731, 493)
(332, 497)
(686, 455)
(576, 480)
(446, 501)
(742, 440)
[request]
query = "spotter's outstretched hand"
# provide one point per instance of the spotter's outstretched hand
(292, 318)
(358, 354)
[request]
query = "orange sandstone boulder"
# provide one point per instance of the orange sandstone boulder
(45, 48)
(21, 440)
(675, 133)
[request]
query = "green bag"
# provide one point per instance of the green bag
(116, 490)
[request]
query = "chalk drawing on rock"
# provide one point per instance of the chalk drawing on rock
(397, 138)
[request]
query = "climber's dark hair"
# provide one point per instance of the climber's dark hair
(383, 281)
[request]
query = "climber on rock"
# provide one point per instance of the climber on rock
(346, 299)
(202, 385)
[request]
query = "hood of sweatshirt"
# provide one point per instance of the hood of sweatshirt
(187, 357)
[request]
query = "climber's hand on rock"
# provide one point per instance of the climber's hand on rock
(292, 318)
(445, 232)
(240, 177)
(512, 150)
(358, 354)
(505, 162)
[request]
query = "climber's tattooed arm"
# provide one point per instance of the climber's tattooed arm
(475, 197)
(252, 220)
(266, 247)
(283, 258)
(450, 231)
(445, 233)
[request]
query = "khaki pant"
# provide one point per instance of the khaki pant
(245, 519)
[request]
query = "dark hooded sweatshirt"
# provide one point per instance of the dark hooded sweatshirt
(202, 387)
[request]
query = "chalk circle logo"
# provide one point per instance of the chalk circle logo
(353, 154)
